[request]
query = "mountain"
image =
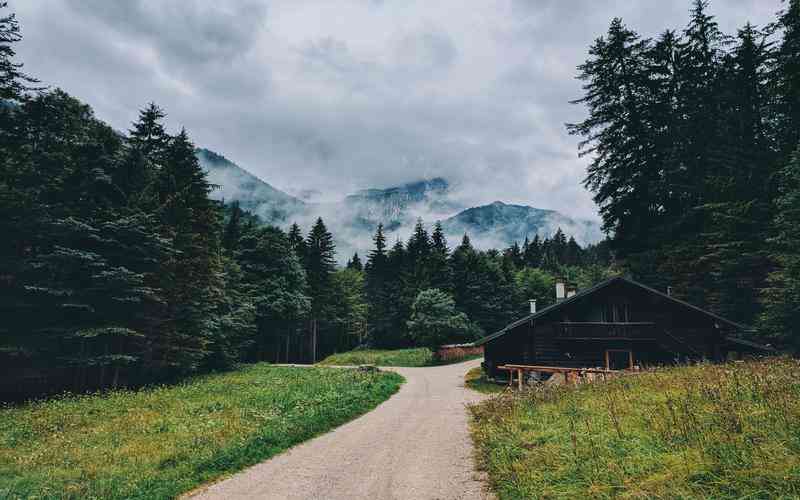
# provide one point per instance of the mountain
(500, 224)
(353, 219)
(254, 195)
(398, 206)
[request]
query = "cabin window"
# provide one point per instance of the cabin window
(616, 312)
(619, 359)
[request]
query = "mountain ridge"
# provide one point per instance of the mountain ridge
(353, 219)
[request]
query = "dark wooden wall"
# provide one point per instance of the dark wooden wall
(679, 334)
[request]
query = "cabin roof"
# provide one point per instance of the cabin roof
(599, 286)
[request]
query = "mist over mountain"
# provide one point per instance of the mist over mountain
(353, 219)
(254, 195)
(500, 224)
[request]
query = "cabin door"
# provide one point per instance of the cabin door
(619, 359)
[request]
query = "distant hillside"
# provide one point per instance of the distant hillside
(353, 219)
(400, 205)
(254, 195)
(500, 224)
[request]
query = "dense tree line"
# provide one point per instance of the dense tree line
(692, 137)
(489, 288)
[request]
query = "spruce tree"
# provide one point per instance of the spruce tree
(355, 263)
(14, 83)
(781, 297)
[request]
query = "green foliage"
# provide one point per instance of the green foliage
(781, 319)
(707, 431)
(435, 321)
(687, 133)
(164, 441)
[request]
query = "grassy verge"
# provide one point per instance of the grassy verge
(416, 357)
(475, 380)
(724, 431)
(160, 442)
(396, 357)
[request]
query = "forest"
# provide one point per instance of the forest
(693, 139)
(118, 270)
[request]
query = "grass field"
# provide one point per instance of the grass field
(160, 442)
(416, 357)
(709, 431)
(475, 380)
(396, 357)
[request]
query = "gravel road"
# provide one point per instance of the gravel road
(414, 446)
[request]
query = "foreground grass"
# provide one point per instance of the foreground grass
(475, 380)
(724, 431)
(160, 442)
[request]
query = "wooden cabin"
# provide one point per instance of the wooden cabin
(618, 324)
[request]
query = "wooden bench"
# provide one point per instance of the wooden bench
(571, 374)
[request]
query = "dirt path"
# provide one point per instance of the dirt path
(414, 446)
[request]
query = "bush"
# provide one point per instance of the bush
(435, 321)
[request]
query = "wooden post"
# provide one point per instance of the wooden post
(519, 382)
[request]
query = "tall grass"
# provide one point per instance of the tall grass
(706, 431)
(160, 442)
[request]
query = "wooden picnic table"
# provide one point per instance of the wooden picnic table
(568, 371)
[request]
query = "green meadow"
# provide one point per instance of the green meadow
(707, 431)
(160, 442)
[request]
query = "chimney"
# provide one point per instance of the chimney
(561, 289)
(533, 306)
(571, 290)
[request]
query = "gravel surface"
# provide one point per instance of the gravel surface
(416, 445)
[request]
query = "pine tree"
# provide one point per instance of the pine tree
(275, 281)
(297, 241)
(782, 295)
(740, 212)
(14, 84)
(377, 288)
(786, 80)
(192, 279)
(320, 263)
(233, 228)
(146, 149)
(438, 272)
(355, 263)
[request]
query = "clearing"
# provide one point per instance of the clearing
(706, 431)
(416, 445)
(160, 442)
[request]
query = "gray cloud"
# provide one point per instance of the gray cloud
(335, 96)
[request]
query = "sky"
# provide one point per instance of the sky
(331, 96)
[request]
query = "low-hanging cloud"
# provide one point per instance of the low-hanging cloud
(334, 96)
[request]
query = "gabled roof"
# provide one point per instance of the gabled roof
(600, 286)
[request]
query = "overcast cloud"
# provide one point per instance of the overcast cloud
(340, 95)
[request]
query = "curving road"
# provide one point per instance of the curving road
(416, 445)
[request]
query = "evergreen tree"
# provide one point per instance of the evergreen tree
(438, 272)
(233, 228)
(355, 263)
(786, 80)
(297, 241)
(275, 281)
(320, 263)
(14, 83)
(782, 295)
